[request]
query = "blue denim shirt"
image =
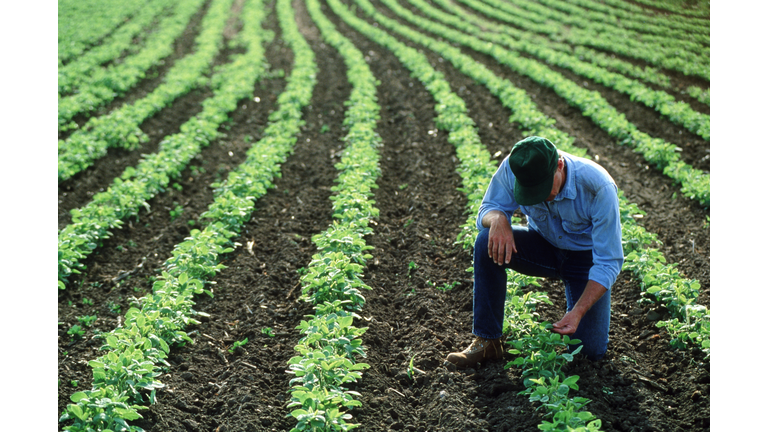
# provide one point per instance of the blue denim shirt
(583, 216)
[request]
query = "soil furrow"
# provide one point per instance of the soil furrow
(678, 223)
(126, 263)
(641, 385)
(260, 290)
(154, 76)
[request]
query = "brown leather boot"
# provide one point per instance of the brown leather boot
(480, 351)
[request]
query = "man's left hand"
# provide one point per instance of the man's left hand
(567, 325)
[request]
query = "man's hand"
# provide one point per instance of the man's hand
(567, 325)
(570, 322)
(501, 242)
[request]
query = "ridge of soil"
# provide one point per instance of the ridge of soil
(641, 385)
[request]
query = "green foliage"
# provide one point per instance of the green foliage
(176, 211)
(76, 332)
(87, 320)
(238, 344)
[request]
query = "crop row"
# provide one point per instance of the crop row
(691, 43)
(120, 128)
(678, 112)
(129, 193)
(690, 322)
(700, 11)
(119, 42)
(628, 11)
(107, 83)
(102, 17)
(636, 22)
(474, 168)
(695, 184)
(657, 56)
(333, 281)
(127, 373)
(124, 376)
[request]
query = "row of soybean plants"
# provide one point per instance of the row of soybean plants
(531, 41)
(594, 22)
(678, 112)
(540, 357)
(102, 17)
(638, 22)
(664, 155)
(689, 324)
(102, 85)
(127, 375)
(120, 128)
(329, 351)
(475, 168)
(129, 193)
(667, 57)
(629, 11)
(112, 47)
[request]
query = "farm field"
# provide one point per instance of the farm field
(165, 99)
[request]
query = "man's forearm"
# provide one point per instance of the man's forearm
(492, 216)
(589, 297)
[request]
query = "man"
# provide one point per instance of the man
(573, 233)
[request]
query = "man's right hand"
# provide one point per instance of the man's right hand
(501, 242)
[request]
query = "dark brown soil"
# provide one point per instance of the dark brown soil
(641, 385)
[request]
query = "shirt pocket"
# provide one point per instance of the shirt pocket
(535, 213)
(577, 227)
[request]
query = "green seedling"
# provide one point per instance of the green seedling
(87, 302)
(237, 344)
(268, 331)
(87, 320)
(76, 332)
(448, 286)
(176, 212)
(412, 266)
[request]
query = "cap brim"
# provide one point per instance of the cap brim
(533, 194)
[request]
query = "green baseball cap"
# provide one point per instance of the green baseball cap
(534, 162)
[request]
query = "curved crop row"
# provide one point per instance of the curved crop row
(128, 373)
(135, 186)
(659, 280)
(658, 57)
(106, 84)
(102, 17)
(695, 184)
(328, 352)
(549, 22)
(607, 27)
(120, 128)
(678, 112)
(630, 11)
(122, 40)
(452, 117)
(606, 61)
(687, 13)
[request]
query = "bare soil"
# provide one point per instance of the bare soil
(641, 385)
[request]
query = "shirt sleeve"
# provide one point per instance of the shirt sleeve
(607, 252)
(499, 195)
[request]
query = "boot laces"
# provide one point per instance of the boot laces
(480, 344)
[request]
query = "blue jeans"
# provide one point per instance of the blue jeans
(537, 257)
